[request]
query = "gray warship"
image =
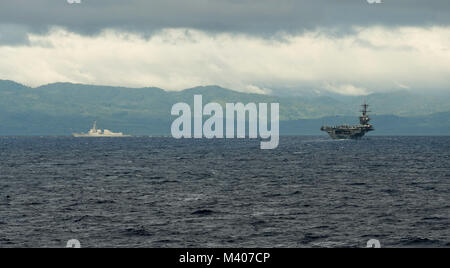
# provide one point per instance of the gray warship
(346, 132)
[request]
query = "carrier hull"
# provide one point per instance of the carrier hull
(347, 133)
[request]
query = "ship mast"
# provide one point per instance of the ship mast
(364, 119)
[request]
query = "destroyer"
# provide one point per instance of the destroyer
(98, 133)
(351, 132)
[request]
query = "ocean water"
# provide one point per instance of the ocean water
(161, 192)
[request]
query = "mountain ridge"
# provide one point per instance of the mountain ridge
(123, 108)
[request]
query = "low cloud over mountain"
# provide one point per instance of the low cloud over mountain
(63, 108)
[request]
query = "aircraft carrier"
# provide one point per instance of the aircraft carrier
(346, 132)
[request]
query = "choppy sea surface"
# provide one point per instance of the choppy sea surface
(161, 192)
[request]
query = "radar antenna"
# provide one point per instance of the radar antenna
(364, 119)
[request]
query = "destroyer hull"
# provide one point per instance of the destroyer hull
(99, 136)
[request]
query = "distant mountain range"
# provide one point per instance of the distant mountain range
(63, 108)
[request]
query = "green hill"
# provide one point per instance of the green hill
(63, 108)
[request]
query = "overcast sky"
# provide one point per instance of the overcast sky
(345, 46)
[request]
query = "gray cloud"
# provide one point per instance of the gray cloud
(344, 46)
(256, 17)
(13, 34)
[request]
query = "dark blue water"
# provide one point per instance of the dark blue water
(161, 192)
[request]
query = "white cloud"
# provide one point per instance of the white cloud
(373, 59)
(350, 90)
